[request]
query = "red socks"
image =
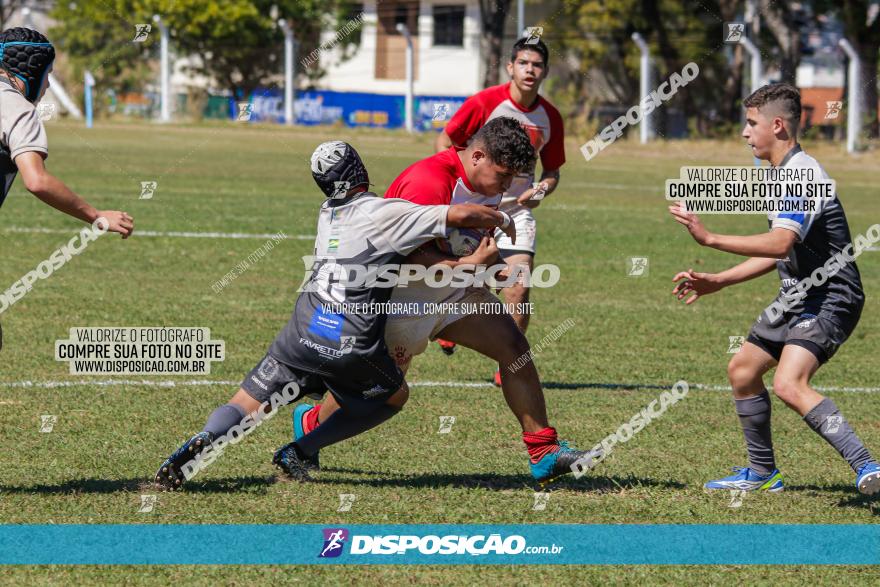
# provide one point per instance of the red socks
(538, 443)
(541, 443)
(310, 419)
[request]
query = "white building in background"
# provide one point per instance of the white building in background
(446, 39)
(820, 74)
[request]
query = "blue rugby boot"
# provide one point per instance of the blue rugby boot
(745, 479)
(868, 478)
(554, 465)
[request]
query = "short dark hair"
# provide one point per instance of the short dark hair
(506, 143)
(537, 46)
(785, 96)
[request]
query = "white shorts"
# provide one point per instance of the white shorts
(407, 336)
(525, 224)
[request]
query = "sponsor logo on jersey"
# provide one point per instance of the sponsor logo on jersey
(326, 325)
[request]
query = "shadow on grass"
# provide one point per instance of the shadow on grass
(871, 502)
(852, 499)
(494, 481)
(432, 480)
(74, 486)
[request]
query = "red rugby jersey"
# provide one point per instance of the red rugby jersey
(541, 121)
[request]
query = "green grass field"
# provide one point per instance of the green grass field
(109, 438)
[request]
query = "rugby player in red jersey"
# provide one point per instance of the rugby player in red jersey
(517, 99)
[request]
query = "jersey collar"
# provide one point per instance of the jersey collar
(331, 203)
(517, 105)
(8, 82)
(794, 151)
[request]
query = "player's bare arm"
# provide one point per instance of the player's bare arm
(54, 192)
(702, 284)
(467, 216)
(775, 243)
(477, 216)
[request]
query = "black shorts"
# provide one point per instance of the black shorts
(820, 335)
(355, 392)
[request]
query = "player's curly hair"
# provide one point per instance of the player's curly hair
(507, 144)
(784, 96)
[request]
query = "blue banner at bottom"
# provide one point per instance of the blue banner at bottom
(157, 544)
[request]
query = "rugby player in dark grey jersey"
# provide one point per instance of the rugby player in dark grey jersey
(803, 327)
(335, 339)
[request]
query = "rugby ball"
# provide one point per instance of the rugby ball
(462, 241)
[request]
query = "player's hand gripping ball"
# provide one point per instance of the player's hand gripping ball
(461, 242)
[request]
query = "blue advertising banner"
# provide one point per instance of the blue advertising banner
(627, 544)
(349, 108)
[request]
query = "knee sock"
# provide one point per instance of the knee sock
(310, 419)
(754, 417)
(224, 418)
(827, 421)
(341, 425)
(541, 443)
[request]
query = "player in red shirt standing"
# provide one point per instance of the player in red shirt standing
(517, 99)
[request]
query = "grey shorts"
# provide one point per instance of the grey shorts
(820, 335)
(356, 394)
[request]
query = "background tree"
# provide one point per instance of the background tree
(237, 42)
(596, 37)
(7, 7)
(493, 15)
(731, 106)
(785, 22)
(861, 25)
(97, 35)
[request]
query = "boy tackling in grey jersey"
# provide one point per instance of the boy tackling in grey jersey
(323, 348)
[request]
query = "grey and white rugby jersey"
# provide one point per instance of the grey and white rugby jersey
(340, 320)
(20, 131)
(820, 236)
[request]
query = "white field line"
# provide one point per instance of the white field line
(109, 382)
(246, 235)
(455, 384)
(234, 235)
